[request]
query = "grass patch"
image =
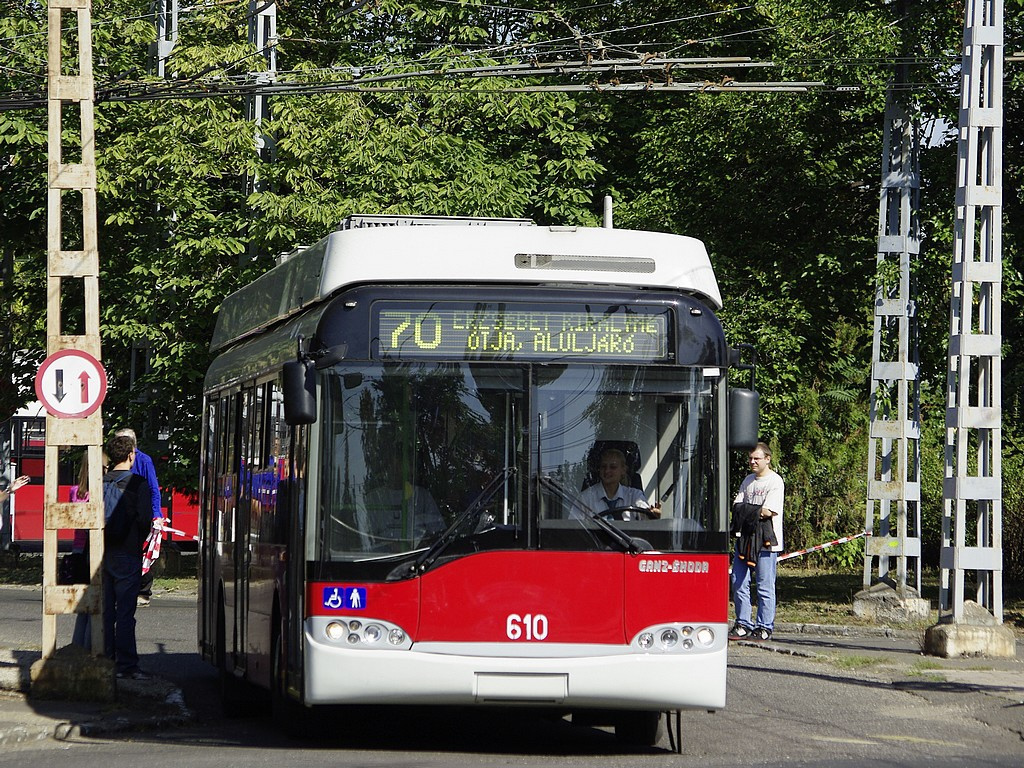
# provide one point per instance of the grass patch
(858, 662)
(174, 572)
(925, 668)
(813, 596)
(24, 569)
(816, 596)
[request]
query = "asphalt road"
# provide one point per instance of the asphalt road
(782, 710)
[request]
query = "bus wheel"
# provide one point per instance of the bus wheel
(642, 729)
(236, 697)
(297, 721)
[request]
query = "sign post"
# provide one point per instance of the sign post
(71, 383)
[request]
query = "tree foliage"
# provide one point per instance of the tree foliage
(783, 187)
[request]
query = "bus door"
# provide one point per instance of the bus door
(259, 577)
(227, 535)
(242, 555)
(209, 540)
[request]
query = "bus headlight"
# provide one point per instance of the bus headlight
(676, 638)
(356, 633)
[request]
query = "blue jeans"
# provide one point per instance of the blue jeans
(122, 574)
(764, 576)
(83, 631)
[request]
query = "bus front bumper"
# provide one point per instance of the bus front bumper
(506, 674)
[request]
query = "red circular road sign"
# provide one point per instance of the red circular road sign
(71, 384)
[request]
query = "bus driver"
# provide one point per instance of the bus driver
(612, 493)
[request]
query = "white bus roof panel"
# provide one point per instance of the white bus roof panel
(523, 254)
(475, 254)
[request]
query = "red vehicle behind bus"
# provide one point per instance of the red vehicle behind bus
(28, 441)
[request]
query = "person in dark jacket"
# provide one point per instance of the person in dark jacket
(129, 515)
(761, 494)
(143, 465)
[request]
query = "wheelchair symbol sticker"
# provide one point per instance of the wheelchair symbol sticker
(344, 598)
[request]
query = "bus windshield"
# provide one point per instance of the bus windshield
(428, 461)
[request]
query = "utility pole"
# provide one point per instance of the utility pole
(894, 447)
(894, 439)
(165, 14)
(972, 490)
(72, 266)
(165, 20)
(263, 35)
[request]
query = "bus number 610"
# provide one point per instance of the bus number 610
(528, 627)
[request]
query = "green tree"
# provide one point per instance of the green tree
(783, 187)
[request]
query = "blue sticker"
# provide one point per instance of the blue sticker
(355, 598)
(344, 598)
(334, 598)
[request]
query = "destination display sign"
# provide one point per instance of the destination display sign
(530, 332)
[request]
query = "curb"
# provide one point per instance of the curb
(15, 671)
(841, 630)
(153, 704)
(177, 714)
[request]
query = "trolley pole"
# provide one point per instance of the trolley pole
(72, 279)
(972, 489)
(894, 441)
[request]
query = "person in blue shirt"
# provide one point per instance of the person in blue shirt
(145, 468)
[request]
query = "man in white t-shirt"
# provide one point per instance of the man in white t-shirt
(765, 488)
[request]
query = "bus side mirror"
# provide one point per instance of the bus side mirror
(744, 415)
(299, 393)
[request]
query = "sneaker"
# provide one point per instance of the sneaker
(739, 632)
(761, 634)
(142, 601)
(135, 674)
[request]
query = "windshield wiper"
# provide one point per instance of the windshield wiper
(472, 512)
(629, 544)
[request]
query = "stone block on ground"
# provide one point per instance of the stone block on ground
(882, 602)
(73, 674)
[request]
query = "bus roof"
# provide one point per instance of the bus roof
(426, 250)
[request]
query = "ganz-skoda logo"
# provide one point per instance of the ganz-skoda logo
(676, 566)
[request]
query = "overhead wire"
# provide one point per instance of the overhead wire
(171, 88)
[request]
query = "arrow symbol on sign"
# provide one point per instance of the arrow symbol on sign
(59, 394)
(84, 380)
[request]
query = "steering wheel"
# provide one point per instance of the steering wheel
(648, 512)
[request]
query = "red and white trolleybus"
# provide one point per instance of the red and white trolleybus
(399, 427)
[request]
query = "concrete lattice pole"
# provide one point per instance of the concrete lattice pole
(72, 256)
(972, 489)
(263, 35)
(894, 484)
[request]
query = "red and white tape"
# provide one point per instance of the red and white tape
(164, 528)
(826, 545)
